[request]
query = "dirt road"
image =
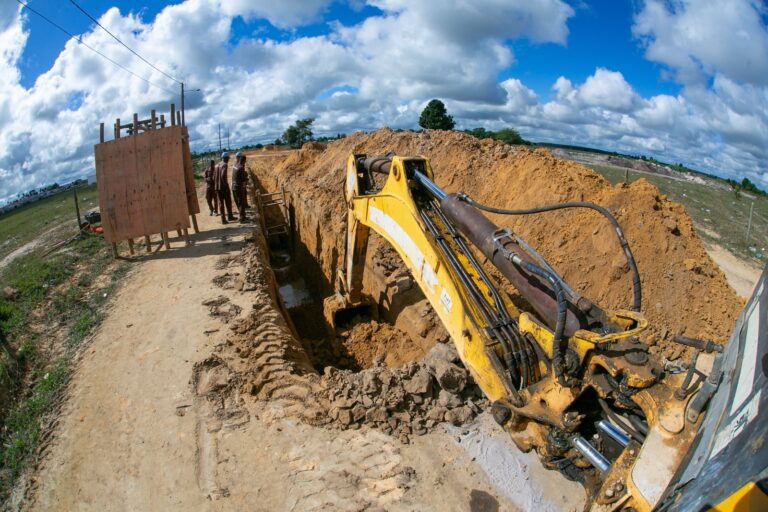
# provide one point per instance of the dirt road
(136, 433)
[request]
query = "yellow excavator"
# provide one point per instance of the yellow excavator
(567, 377)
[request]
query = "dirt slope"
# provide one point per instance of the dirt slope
(156, 420)
(683, 290)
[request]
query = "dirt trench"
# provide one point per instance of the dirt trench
(684, 292)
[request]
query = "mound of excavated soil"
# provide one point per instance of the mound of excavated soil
(683, 290)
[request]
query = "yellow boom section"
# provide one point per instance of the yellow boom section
(393, 214)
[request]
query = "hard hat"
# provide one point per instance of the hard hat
(238, 154)
(224, 155)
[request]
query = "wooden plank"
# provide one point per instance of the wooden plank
(170, 179)
(149, 199)
(142, 184)
(130, 246)
(189, 178)
(194, 224)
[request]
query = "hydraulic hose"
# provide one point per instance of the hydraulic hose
(636, 286)
(558, 354)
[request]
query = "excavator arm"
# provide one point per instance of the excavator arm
(567, 377)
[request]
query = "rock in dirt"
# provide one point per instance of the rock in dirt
(405, 401)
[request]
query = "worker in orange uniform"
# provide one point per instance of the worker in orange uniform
(211, 195)
(240, 185)
(221, 185)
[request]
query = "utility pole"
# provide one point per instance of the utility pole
(749, 223)
(227, 138)
(182, 104)
(219, 137)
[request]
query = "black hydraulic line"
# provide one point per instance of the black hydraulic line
(521, 344)
(636, 286)
(501, 318)
(476, 294)
(558, 352)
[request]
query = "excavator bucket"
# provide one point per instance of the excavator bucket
(339, 313)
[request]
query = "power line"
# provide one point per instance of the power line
(79, 40)
(122, 43)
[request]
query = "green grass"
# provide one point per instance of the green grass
(720, 215)
(28, 222)
(56, 292)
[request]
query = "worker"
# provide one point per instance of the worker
(211, 196)
(221, 185)
(240, 185)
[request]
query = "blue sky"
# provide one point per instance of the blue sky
(683, 81)
(600, 35)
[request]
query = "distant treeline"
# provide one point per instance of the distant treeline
(508, 135)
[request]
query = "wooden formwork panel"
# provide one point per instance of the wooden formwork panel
(189, 177)
(142, 184)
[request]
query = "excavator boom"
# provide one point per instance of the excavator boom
(566, 377)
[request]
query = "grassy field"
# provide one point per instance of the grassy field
(721, 216)
(50, 302)
(49, 215)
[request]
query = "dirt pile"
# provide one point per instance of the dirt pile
(683, 290)
(404, 401)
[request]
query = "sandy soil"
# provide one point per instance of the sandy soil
(742, 275)
(140, 431)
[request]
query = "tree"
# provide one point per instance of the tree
(435, 117)
(480, 133)
(509, 136)
(299, 132)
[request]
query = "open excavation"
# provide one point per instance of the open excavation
(387, 335)
(382, 315)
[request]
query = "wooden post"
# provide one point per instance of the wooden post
(114, 250)
(101, 132)
(77, 206)
(178, 117)
(167, 241)
(162, 120)
(173, 114)
(130, 246)
(135, 124)
(178, 232)
(148, 243)
(186, 237)
(117, 128)
(153, 120)
(194, 223)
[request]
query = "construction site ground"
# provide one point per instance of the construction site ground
(206, 389)
(136, 434)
